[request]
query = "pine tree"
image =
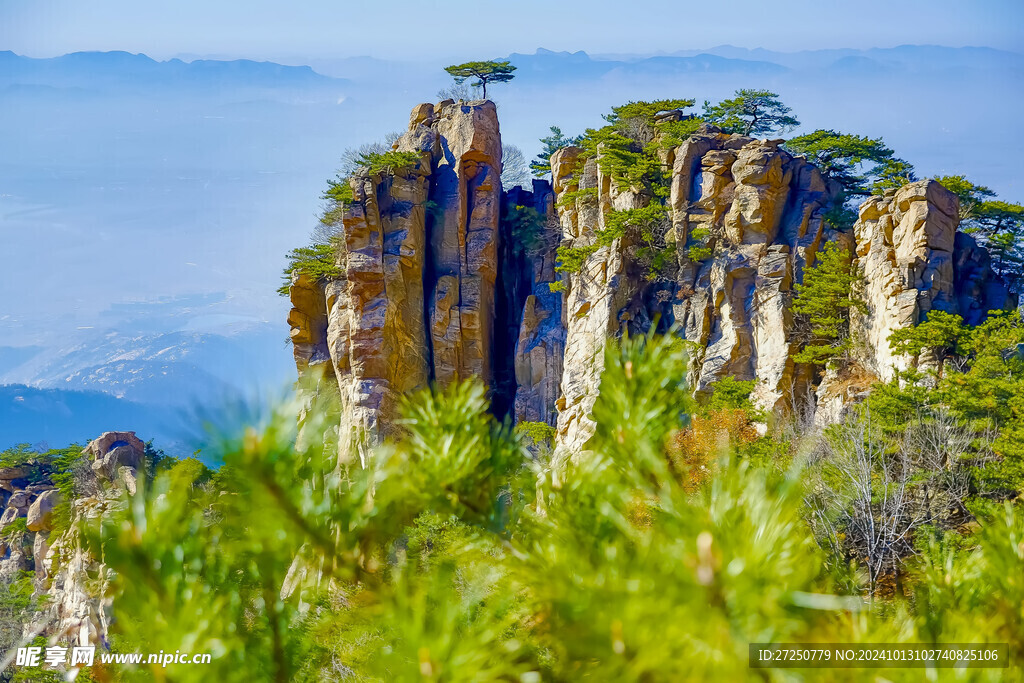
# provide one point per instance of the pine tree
(998, 225)
(892, 175)
(751, 112)
(823, 302)
(840, 157)
(495, 71)
(541, 165)
(942, 334)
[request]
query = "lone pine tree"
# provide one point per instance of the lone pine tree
(495, 71)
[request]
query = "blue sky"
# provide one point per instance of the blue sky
(426, 29)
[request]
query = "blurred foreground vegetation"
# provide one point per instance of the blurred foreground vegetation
(466, 551)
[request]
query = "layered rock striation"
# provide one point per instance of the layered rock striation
(756, 214)
(445, 275)
(416, 299)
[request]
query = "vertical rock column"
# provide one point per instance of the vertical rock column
(415, 299)
(307, 321)
(760, 210)
(466, 191)
(376, 328)
(595, 297)
(912, 261)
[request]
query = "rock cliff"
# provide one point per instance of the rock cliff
(64, 574)
(446, 275)
(416, 299)
(912, 260)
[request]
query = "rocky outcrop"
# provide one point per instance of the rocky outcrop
(466, 188)
(376, 320)
(415, 301)
(113, 451)
(911, 261)
(754, 212)
(762, 210)
(65, 575)
(308, 322)
(597, 298)
(443, 275)
(40, 513)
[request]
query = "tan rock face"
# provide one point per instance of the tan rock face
(376, 323)
(595, 299)
(9, 473)
(65, 575)
(761, 210)
(113, 450)
(10, 514)
(307, 321)
(912, 261)
(40, 513)
(466, 184)
(419, 258)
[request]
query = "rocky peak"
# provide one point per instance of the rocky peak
(912, 260)
(63, 571)
(416, 301)
(447, 276)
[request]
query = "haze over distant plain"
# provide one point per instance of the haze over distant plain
(147, 205)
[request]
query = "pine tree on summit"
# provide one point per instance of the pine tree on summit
(494, 71)
(751, 112)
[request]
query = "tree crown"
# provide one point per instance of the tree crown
(751, 112)
(840, 156)
(541, 165)
(494, 71)
(823, 301)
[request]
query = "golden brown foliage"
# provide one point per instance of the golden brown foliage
(695, 450)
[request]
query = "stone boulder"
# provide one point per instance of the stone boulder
(40, 513)
(20, 500)
(113, 450)
(10, 514)
(15, 562)
(16, 472)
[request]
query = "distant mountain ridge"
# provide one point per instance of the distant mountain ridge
(547, 64)
(143, 382)
(55, 418)
(173, 368)
(97, 69)
(919, 57)
(728, 61)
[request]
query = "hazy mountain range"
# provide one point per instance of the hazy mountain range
(146, 206)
